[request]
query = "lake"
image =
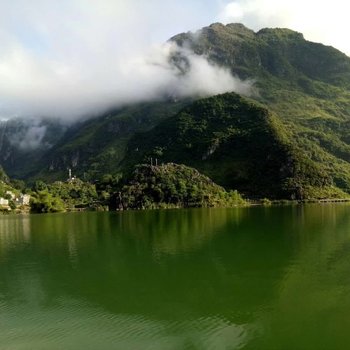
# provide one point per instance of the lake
(243, 278)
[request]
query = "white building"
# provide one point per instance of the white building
(23, 199)
(4, 202)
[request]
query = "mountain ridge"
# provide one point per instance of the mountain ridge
(238, 143)
(305, 84)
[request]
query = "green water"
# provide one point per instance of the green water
(254, 278)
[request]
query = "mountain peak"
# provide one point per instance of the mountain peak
(230, 26)
(281, 33)
(237, 30)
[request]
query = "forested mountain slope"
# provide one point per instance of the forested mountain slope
(304, 85)
(239, 144)
(96, 146)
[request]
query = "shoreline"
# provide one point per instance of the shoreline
(249, 203)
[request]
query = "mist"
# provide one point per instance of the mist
(30, 136)
(69, 59)
(73, 59)
(146, 77)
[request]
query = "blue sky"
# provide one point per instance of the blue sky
(34, 24)
(67, 57)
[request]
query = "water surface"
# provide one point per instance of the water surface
(251, 278)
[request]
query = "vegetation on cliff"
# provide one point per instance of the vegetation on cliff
(61, 196)
(172, 185)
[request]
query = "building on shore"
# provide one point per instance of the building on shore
(4, 202)
(23, 199)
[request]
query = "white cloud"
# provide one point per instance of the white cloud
(320, 21)
(207, 79)
(30, 137)
(72, 57)
(32, 87)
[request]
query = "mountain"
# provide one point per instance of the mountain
(307, 84)
(303, 86)
(270, 54)
(239, 144)
(96, 146)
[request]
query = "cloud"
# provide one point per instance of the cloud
(68, 58)
(33, 89)
(71, 58)
(29, 137)
(320, 21)
(161, 76)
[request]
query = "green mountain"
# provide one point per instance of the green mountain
(307, 84)
(301, 124)
(239, 144)
(97, 146)
(277, 54)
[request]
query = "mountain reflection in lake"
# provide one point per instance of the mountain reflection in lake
(243, 278)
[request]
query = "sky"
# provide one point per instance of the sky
(71, 58)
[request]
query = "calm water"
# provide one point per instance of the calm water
(257, 278)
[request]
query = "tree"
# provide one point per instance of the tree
(39, 185)
(45, 202)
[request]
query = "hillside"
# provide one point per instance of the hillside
(307, 84)
(7, 186)
(304, 85)
(236, 142)
(172, 185)
(96, 146)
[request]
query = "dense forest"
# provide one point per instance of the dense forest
(172, 185)
(238, 143)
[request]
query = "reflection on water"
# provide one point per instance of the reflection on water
(14, 229)
(251, 278)
(81, 326)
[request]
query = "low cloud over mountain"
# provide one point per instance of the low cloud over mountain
(65, 59)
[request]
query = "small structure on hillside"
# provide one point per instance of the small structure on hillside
(70, 177)
(23, 199)
(4, 202)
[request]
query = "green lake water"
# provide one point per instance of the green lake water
(248, 278)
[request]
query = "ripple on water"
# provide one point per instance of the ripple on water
(72, 324)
